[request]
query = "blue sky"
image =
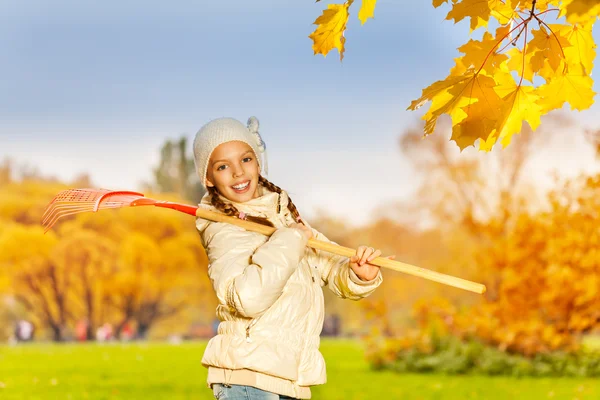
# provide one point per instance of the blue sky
(98, 86)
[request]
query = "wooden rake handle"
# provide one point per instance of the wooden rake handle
(348, 252)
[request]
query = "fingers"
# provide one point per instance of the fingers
(374, 255)
(365, 254)
(361, 253)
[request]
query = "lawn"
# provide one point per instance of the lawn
(164, 371)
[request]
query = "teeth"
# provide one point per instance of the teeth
(243, 186)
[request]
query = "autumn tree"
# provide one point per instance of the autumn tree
(537, 260)
(137, 265)
(550, 276)
(160, 267)
(149, 271)
(523, 67)
(88, 259)
(472, 198)
(36, 281)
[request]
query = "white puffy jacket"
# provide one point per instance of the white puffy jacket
(270, 300)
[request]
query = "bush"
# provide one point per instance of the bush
(449, 355)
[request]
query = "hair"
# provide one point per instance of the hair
(229, 209)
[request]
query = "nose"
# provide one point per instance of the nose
(238, 170)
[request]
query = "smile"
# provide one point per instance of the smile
(241, 187)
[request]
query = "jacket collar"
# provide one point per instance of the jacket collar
(265, 205)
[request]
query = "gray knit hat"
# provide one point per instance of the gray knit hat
(223, 130)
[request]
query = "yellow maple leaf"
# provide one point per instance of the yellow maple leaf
(580, 11)
(581, 54)
(520, 63)
(482, 54)
(441, 100)
(367, 10)
(482, 117)
(478, 10)
(548, 46)
(452, 96)
(330, 29)
(519, 105)
(574, 89)
(502, 10)
(540, 5)
(505, 84)
(484, 97)
(479, 124)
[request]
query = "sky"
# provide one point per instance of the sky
(97, 87)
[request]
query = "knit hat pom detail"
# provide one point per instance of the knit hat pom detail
(253, 126)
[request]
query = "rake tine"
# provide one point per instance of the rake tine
(58, 211)
(59, 206)
(66, 213)
(74, 201)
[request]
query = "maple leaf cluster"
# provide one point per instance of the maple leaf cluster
(516, 73)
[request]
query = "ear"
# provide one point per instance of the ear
(208, 183)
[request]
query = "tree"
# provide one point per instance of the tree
(176, 172)
(137, 265)
(548, 295)
(159, 268)
(475, 199)
(537, 259)
(88, 258)
(37, 282)
(156, 280)
(513, 75)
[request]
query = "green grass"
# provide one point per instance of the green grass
(163, 371)
(592, 342)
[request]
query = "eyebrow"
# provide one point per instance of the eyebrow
(243, 154)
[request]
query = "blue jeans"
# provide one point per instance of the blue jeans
(239, 392)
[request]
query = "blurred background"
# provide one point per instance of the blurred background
(118, 304)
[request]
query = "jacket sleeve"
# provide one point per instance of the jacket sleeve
(246, 278)
(339, 277)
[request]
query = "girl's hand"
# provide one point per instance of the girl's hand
(306, 231)
(360, 262)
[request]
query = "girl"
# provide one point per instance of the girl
(269, 288)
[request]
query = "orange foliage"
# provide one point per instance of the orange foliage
(549, 265)
(130, 265)
(546, 270)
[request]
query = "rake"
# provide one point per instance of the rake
(74, 201)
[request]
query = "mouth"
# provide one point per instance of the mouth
(241, 187)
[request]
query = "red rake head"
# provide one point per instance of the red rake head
(74, 201)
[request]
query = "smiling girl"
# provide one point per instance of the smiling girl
(269, 289)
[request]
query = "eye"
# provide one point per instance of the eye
(221, 167)
(247, 159)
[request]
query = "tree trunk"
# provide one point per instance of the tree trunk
(142, 332)
(57, 333)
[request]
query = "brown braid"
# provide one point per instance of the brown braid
(274, 188)
(229, 209)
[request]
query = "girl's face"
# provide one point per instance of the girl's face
(233, 170)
